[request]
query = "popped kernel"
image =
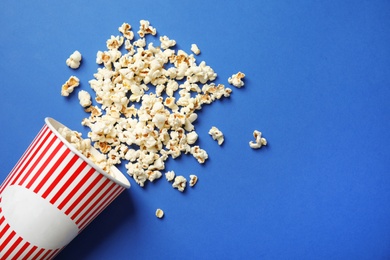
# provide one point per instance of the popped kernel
(69, 85)
(74, 60)
(159, 213)
(216, 134)
(180, 183)
(237, 79)
(193, 180)
(84, 98)
(195, 49)
(259, 140)
(170, 175)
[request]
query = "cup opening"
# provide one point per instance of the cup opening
(119, 176)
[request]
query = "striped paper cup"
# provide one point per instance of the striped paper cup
(51, 195)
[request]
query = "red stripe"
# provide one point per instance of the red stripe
(45, 255)
(22, 159)
(114, 193)
(86, 192)
(88, 201)
(76, 188)
(53, 254)
(38, 254)
(45, 163)
(68, 182)
(60, 175)
(21, 250)
(6, 241)
(32, 250)
(12, 248)
(38, 158)
(53, 168)
(2, 232)
(2, 220)
(97, 204)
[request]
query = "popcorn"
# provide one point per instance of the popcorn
(195, 49)
(193, 180)
(166, 43)
(170, 175)
(69, 85)
(84, 98)
(147, 101)
(146, 28)
(259, 141)
(159, 213)
(180, 183)
(125, 29)
(236, 80)
(74, 60)
(216, 134)
(114, 42)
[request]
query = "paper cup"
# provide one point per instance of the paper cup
(50, 196)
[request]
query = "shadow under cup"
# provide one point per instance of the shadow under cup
(52, 193)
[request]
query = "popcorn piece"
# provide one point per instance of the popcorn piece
(195, 49)
(236, 80)
(69, 85)
(170, 175)
(74, 60)
(199, 154)
(125, 29)
(114, 42)
(193, 180)
(159, 213)
(259, 141)
(84, 98)
(216, 134)
(180, 183)
(146, 28)
(166, 43)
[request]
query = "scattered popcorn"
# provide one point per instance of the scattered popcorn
(236, 80)
(195, 49)
(259, 141)
(69, 86)
(74, 60)
(84, 98)
(148, 99)
(216, 134)
(170, 175)
(180, 183)
(159, 213)
(193, 180)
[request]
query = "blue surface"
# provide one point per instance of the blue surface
(317, 86)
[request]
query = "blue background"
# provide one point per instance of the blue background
(317, 85)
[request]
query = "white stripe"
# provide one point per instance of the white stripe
(56, 172)
(16, 249)
(65, 178)
(70, 188)
(3, 238)
(77, 195)
(42, 161)
(45, 171)
(91, 205)
(25, 161)
(107, 193)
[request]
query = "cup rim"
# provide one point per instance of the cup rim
(120, 180)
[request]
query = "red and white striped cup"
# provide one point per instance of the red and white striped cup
(50, 196)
